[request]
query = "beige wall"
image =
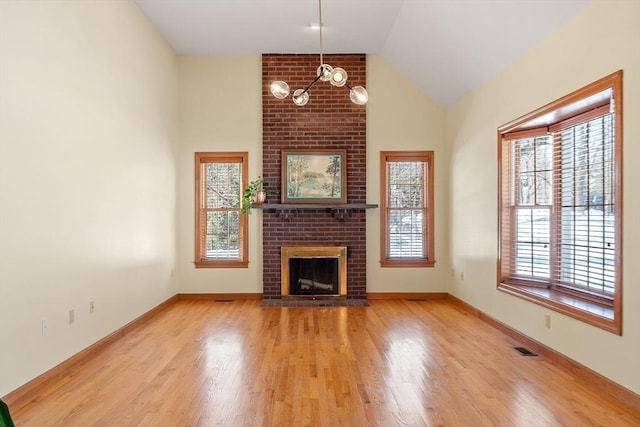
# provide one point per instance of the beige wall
(88, 123)
(401, 117)
(220, 109)
(555, 67)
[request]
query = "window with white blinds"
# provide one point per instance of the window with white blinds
(407, 206)
(560, 210)
(221, 238)
(586, 204)
(529, 183)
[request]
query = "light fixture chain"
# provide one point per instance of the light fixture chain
(320, 18)
(326, 73)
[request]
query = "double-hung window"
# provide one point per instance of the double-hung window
(221, 229)
(407, 208)
(560, 205)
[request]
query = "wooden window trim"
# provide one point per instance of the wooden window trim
(235, 157)
(574, 306)
(591, 309)
(428, 157)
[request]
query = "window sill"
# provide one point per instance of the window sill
(221, 264)
(573, 306)
(406, 263)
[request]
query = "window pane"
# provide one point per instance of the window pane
(222, 235)
(406, 233)
(526, 155)
(222, 184)
(543, 153)
(527, 187)
(532, 242)
(587, 225)
(544, 188)
(406, 183)
(588, 249)
(533, 170)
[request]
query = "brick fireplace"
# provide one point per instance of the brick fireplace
(329, 121)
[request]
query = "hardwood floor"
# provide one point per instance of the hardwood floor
(394, 363)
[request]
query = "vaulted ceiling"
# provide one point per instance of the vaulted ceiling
(447, 48)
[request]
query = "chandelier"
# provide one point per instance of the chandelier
(335, 75)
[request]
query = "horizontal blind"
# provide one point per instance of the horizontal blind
(585, 206)
(406, 208)
(526, 208)
(220, 210)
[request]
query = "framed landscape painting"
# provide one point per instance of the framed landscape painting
(314, 176)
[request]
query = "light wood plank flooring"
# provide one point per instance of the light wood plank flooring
(394, 363)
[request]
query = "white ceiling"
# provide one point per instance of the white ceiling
(445, 47)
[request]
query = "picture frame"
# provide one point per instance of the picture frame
(314, 176)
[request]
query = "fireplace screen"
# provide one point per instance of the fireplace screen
(314, 270)
(313, 276)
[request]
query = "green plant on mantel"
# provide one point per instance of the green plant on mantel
(255, 192)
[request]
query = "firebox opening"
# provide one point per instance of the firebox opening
(313, 271)
(313, 276)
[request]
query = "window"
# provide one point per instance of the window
(560, 205)
(221, 237)
(407, 208)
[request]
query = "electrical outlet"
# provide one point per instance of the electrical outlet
(547, 321)
(92, 307)
(44, 327)
(461, 275)
(72, 316)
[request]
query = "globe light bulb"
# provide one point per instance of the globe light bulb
(279, 89)
(358, 95)
(338, 77)
(324, 72)
(300, 98)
